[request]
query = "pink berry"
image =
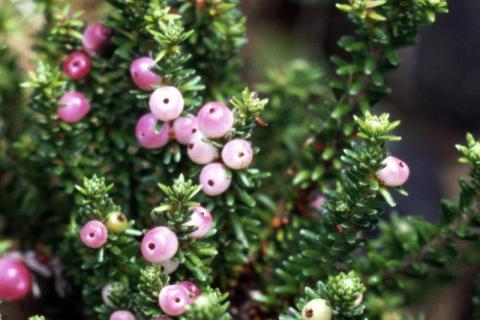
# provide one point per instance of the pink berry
(159, 245)
(215, 179)
(95, 37)
(173, 300)
(94, 234)
(15, 280)
(75, 107)
(201, 218)
(191, 288)
(77, 65)
(201, 151)
(394, 174)
(142, 74)
(184, 128)
(215, 120)
(122, 315)
(317, 202)
(166, 103)
(147, 134)
(237, 154)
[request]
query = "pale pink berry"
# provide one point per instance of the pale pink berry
(169, 266)
(191, 288)
(215, 119)
(94, 234)
(173, 300)
(15, 280)
(142, 74)
(237, 154)
(317, 202)
(75, 107)
(394, 173)
(166, 103)
(184, 128)
(95, 37)
(159, 245)
(122, 315)
(202, 220)
(77, 65)
(215, 179)
(147, 132)
(200, 150)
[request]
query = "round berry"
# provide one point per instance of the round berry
(215, 179)
(215, 119)
(95, 37)
(185, 128)
(169, 266)
(316, 309)
(191, 288)
(317, 202)
(202, 220)
(237, 154)
(77, 65)
(106, 290)
(166, 103)
(142, 74)
(15, 280)
(122, 315)
(147, 134)
(201, 151)
(394, 173)
(117, 222)
(94, 234)
(159, 245)
(75, 107)
(173, 300)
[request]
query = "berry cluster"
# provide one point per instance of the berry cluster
(158, 246)
(76, 66)
(214, 120)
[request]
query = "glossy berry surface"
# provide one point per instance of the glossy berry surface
(122, 315)
(237, 154)
(77, 65)
(316, 309)
(142, 74)
(74, 107)
(200, 151)
(94, 234)
(215, 120)
(394, 174)
(117, 222)
(202, 220)
(147, 133)
(215, 179)
(191, 288)
(95, 38)
(185, 128)
(15, 280)
(159, 244)
(166, 103)
(173, 300)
